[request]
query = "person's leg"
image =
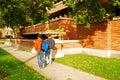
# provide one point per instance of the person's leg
(47, 56)
(50, 56)
(42, 58)
(39, 59)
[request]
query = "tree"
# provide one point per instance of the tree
(37, 10)
(89, 11)
(25, 11)
(15, 13)
(12, 13)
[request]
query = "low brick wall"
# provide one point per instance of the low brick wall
(63, 47)
(28, 45)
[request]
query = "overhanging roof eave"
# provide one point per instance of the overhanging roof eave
(44, 33)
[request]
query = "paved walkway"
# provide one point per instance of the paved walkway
(54, 71)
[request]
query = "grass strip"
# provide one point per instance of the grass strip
(13, 69)
(108, 68)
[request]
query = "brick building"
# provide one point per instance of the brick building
(102, 39)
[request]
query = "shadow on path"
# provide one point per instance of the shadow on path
(30, 59)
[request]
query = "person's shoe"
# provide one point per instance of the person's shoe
(47, 62)
(50, 62)
(40, 67)
(43, 65)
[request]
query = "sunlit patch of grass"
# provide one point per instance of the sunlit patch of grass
(108, 68)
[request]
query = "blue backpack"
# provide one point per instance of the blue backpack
(45, 46)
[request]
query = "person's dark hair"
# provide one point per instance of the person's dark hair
(44, 36)
(39, 35)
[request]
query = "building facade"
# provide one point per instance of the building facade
(102, 39)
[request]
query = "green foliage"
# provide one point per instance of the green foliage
(13, 12)
(108, 68)
(8, 36)
(16, 13)
(115, 2)
(16, 69)
(37, 10)
(2, 22)
(24, 12)
(30, 12)
(89, 11)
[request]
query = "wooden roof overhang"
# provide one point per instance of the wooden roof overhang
(59, 9)
(59, 13)
(43, 33)
(59, 6)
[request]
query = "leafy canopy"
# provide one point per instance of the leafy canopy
(29, 12)
(24, 12)
(89, 11)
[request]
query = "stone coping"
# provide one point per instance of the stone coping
(56, 40)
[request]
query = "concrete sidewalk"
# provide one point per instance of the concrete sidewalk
(54, 71)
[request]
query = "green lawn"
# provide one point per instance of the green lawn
(13, 69)
(108, 68)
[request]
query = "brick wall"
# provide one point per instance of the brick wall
(67, 25)
(35, 28)
(94, 37)
(115, 34)
(104, 35)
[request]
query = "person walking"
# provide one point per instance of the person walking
(40, 55)
(51, 44)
